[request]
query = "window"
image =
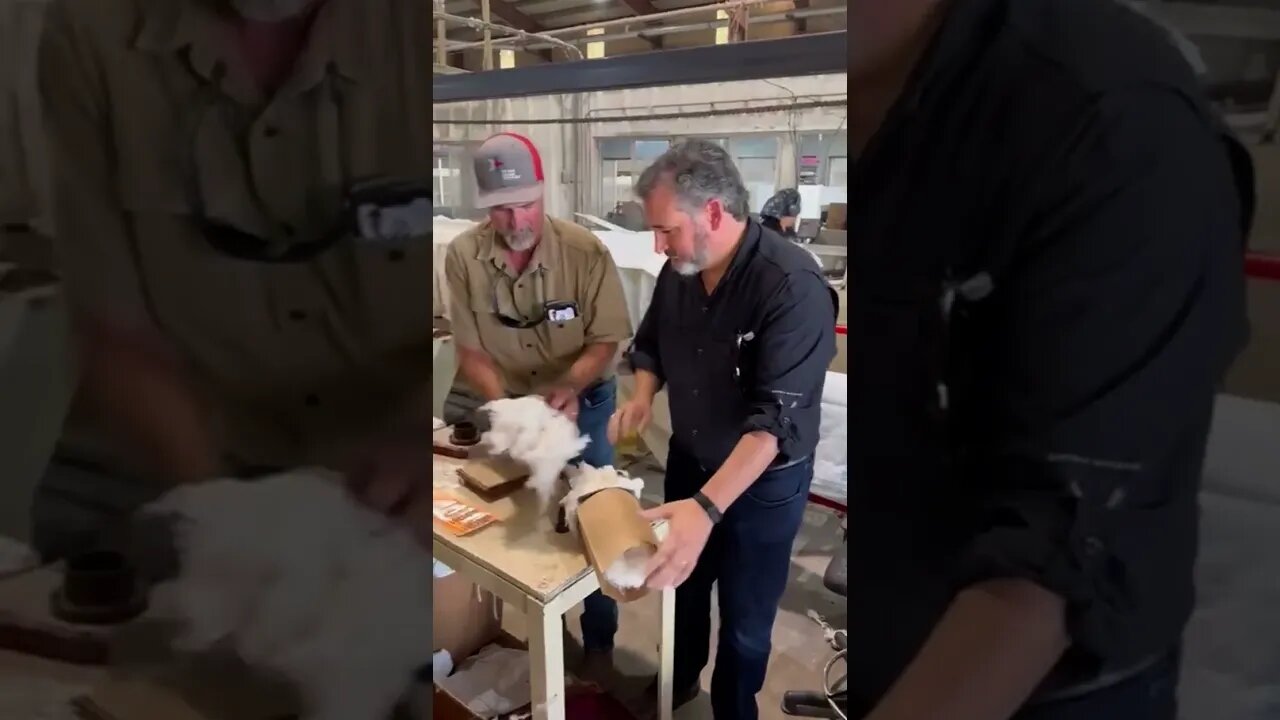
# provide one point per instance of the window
(757, 159)
(595, 50)
(722, 30)
(446, 184)
(823, 170)
(839, 175)
(623, 159)
(621, 162)
(506, 59)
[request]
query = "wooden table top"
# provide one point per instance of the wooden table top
(522, 547)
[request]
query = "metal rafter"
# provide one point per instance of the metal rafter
(507, 10)
(820, 53)
(642, 8)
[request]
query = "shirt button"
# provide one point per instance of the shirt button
(270, 131)
(695, 433)
(395, 255)
(699, 351)
(288, 230)
(1093, 546)
(695, 392)
(528, 346)
(312, 401)
(298, 315)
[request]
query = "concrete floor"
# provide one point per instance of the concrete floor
(799, 651)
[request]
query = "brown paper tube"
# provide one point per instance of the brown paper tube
(611, 524)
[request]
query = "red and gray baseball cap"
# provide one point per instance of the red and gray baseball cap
(508, 171)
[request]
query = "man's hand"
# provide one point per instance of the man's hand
(688, 527)
(564, 399)
(632, 417)
(392, 472)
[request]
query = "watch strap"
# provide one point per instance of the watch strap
(712, 511)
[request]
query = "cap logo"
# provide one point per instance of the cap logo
(494, 164)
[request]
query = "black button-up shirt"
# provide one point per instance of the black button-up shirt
(752, 355)
(1047, 288)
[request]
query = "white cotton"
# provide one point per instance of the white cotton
(586, 480)
(300, 580)
(441, 665)
(529, 430)
(831, 457)
(628, 571)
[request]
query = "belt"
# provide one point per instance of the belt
(1100, 682)
(786, 463)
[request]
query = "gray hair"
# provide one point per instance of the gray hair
(699, 171)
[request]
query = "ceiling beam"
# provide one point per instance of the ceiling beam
(515, 18)
(506, 10)
(642, 8)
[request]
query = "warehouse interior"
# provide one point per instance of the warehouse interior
(602, 88)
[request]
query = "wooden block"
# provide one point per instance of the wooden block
(492, 475)
(441, 444)
(28, 626)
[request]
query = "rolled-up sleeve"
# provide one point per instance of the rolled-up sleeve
(1103, 345)
(94, 247)
(796, 345)
(644, 352)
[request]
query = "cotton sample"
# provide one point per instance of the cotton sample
(300, 580)
(529, 430)
(628, 571)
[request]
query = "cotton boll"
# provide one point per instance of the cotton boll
(628, 571)
(529, 430)
(300, 580)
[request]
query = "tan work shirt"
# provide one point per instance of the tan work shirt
(155, 116)
(570, 264)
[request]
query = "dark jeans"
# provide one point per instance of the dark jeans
(599, 613)
(748, 557)
(1150, 695)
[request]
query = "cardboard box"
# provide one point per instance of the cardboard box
(447, 707)
(464, 618)
(611, 524)
(838, 216)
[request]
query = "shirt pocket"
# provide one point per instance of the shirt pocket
(392, 288)
(566, 339)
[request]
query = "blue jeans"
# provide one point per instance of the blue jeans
(599, 613)
(748, 556)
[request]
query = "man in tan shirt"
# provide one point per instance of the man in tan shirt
(536, 306)
(241, 222)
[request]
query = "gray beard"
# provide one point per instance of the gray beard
(689, 268)
(270, 10)
(520, 240)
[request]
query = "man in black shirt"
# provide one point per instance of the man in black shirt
(1048, 225)
(741, 330)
